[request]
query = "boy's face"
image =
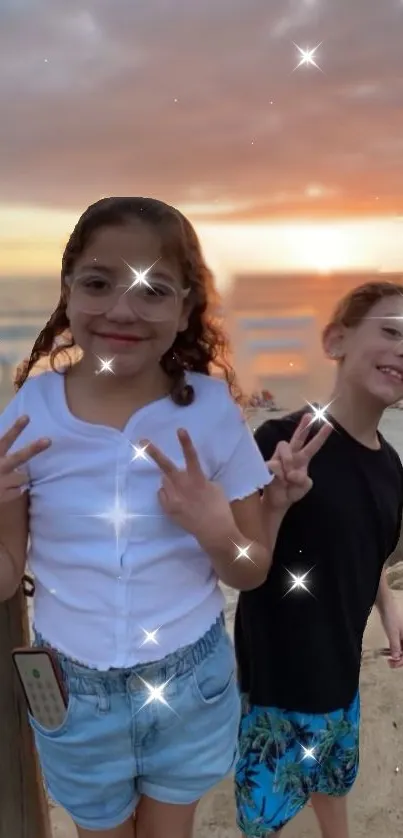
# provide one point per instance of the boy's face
(371, 354)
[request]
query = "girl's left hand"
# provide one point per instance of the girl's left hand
(186, 495)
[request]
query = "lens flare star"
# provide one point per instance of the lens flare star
(243, 553)
(140, 277)
(117, 516)
(298, 582)
(156, 694)
(319, 413)
(307, 57)
(139, 452)
(106, 365)
(308, 753)
(150, 637)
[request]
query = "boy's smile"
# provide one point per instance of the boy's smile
(372, 353)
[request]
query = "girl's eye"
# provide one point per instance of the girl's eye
(93, 283)
(155, 291)
(158, 290)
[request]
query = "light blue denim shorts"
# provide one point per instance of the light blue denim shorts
(113, 746)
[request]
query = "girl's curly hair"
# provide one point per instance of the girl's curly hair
(203, 346)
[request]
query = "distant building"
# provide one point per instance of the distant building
(275, 323)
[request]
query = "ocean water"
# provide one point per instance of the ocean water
(25, 307)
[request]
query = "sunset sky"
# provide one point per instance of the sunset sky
(200, 104)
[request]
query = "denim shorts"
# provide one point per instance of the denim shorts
(286, 756)
(115, 744)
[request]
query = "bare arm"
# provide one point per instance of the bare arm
(239, 536)
(384, 598)
(13, 545)
(14, 506)
(242, 552)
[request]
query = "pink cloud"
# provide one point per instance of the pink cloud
(189, 101)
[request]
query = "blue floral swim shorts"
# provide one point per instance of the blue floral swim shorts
(286, 756)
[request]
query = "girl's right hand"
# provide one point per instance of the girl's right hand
(13, 480)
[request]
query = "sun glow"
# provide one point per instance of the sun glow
(323, 249)
(32, 240)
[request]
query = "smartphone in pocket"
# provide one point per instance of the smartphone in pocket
(41, 680)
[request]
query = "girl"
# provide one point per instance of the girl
(126, 566)
(299, 636)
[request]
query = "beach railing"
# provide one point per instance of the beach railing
(24, 811)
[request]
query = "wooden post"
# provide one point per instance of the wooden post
(23, 806)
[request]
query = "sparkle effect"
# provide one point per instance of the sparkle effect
(155, 694)
(299, 582)
(243, 553)
(140, 277)
(150, 637)
(307, 57)
(395, 317)
(139, 452)
(106, 365)
(117, 516)
(319, 413)
(308, 753)
(388, 317)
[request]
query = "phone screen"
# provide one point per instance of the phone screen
(43, 687)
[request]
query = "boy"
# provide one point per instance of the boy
(299, 636)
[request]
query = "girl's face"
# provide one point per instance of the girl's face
(371, 354)
(107, 320)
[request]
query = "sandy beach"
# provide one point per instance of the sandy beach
(377, 800)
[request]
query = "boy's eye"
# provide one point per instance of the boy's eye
(394, 333)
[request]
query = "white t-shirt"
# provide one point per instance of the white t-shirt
(101, 583)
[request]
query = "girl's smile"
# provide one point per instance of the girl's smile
(120, 341)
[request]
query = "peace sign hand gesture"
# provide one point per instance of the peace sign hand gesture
(290, 463)
(13, 479)
(186, 495)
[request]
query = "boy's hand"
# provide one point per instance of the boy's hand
(290, 463)
(392, 622)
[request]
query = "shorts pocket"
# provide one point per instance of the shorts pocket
(214, 677)
(54, 733)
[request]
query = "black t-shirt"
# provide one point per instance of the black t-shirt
(301, 649)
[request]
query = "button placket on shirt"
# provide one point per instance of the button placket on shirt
(122, 495)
